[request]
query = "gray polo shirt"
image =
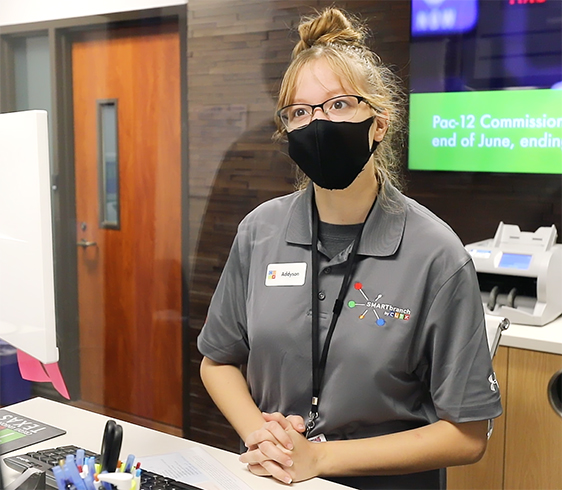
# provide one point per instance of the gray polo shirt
(410, 345)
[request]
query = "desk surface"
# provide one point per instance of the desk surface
(85, 429)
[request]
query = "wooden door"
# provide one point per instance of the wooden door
(129, 271)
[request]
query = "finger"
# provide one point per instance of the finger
(297, 422)
(258, 469)
(277, 453)
(267, 451)
(279, 432)
(278, 425)
(260, 436)
(277, 472)
(277, 417)
(271, 431)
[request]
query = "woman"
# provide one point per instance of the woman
(355, 310)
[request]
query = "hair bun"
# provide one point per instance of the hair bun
(332, 25)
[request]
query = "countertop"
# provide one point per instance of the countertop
(547, 338)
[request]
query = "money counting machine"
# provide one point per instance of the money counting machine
(520, 274)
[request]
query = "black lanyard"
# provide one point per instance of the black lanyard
(319, 361)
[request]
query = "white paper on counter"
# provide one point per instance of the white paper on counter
(196, 467)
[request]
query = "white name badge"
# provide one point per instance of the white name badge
(285, 274)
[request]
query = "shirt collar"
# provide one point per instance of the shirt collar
(299, 229)
(383, 230)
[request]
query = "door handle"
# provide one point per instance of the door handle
(85, 243)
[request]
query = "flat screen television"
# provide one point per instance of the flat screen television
(27, 293)
(486, 86)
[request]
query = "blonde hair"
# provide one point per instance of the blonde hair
(339, 38)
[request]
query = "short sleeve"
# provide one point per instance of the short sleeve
(224, 337)
(458, 366)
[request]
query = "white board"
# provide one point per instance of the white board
(27, 294)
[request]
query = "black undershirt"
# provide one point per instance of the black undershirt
(336, 238)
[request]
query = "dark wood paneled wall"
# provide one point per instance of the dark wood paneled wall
(474, 203)
(238, 50)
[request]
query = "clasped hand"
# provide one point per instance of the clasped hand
(279, 449)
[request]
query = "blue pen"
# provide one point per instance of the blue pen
(71, 469)
(129, 463)
(66, 473)
(91, 463)
(68, 483)
(80, 457)
(59, 477)
(138, 479)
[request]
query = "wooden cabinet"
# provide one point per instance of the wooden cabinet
(525, 451)
(533, 439)
(487, 474)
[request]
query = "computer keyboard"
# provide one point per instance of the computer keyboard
(45, 459)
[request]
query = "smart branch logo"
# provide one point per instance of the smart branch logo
(386, 309)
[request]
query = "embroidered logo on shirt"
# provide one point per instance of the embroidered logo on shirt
(494, 385)
(374, 305)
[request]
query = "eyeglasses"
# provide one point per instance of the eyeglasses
(337, 109)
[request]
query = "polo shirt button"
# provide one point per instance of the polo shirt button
(327, 270)
(321, 295)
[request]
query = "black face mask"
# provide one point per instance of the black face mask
(332, 154)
